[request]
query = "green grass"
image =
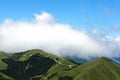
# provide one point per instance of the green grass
(3, 55)
(101, 69)
(4, 77)
(27, 54)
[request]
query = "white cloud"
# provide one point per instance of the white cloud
(57, 38)
(44, 17)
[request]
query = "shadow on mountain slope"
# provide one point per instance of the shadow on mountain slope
(23, 70)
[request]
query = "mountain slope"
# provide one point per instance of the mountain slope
(4, 77)
(39, 65)
(101, 69)
(27, 54)
(23, 70)
(31, 63)
(3, 55)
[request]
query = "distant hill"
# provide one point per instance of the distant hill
(39, 65)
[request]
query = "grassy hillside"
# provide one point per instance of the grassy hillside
(27, 54)
(39, 65)
(4, 77)
(31, 63)
(101, 69)
(3, 55)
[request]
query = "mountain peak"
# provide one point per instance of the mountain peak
(103, 59)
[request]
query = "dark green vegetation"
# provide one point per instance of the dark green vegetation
(39, 65)
(2, 64)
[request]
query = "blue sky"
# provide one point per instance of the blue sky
(83, 14)
(93, 26)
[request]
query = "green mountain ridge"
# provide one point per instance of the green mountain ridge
(39, 65)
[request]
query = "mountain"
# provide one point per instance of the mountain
(81, 60)
(116, 60)
(101, 69)
(3, 55)
(4, 77)
(39, 65)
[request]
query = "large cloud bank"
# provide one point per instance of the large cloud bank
(43, 32)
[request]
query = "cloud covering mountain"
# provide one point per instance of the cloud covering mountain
(43, 32)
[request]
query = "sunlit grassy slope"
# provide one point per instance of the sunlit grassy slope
(3, 55)
(101, 69)
(39, 65)
(4, 77)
